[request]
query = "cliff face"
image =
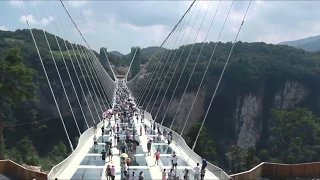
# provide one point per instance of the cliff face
(249, 113)
(245, 122)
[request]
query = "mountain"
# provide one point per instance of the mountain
(311, 44)
(116, 53)
(259, 79)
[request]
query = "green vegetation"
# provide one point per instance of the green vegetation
(29, 124)
(256, 69)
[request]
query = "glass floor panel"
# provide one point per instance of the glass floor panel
(87, 173)
(163, 149)
(97, 150)
(137, 161)
(180, 173)
(102, 139)
(92, 160)
(145, 172)
(166, 161)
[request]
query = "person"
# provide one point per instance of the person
(110, 154)
(149, 147)
(196, 172)
(125, 170)
(95, 141)
(170, 174)
(108, 172)
(141, 176)
(204, 163)
(113, 172)
(186, 174)
(103, 155)
(157, 156)
(94, 128)
(102, 130)
(164, 175)
(174, 160)
(145, 129)
(128, 161)
(133, 176)
(202, 173)
(140, 130)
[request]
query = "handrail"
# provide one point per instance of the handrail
(280, 171)
(8, 167)
(218, 172)
(85, 136)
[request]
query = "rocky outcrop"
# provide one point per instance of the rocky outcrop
(249, 110)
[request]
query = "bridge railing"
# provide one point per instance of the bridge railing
(56, 170)
(11, 168)
(280, 171)
(218, 172)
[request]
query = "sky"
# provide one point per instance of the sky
(119, 25)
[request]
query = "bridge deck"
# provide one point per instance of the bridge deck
(87, 164)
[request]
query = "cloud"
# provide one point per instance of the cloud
(118, 25)
(14, 3)
(3, 28)
(76, 4)
(33, 21)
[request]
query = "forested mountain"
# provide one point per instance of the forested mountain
(44, 141)
(116, 53)
(259, 79)
(311, 44)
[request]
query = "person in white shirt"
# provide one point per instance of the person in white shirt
(174, 160)
(196, 172)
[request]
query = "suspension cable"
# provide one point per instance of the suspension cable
(126, 76)
(114, 75)
(166, 111)
(81, 71)
(45, 72)
(205, 72)
(57, 69)
(65, 64)
(178, 23)
(102, 82)
(157, 59)
(163, 63)
(164, 66)
(145, 80)
(74, 23)
(224, 68)
(170, 35)
(94, 77)
(197, 60)
(89, 77)
(99, 80)
(168, 70)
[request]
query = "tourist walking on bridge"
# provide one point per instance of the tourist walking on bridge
(196, 172)
(157, 156)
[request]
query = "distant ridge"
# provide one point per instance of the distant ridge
(311, 44)
(116, 53)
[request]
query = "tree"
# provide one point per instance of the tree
(205, 146)
(291, 141)
(16, 86)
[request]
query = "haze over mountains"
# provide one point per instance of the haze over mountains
(310, 44)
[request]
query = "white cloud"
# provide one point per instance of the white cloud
(33, 21)
(3, 28)
(14, 3)
(76, 4)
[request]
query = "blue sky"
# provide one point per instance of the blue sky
(118, 25)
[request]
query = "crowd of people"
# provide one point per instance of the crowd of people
(119, 124)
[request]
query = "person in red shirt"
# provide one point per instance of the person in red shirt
(157, 156)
